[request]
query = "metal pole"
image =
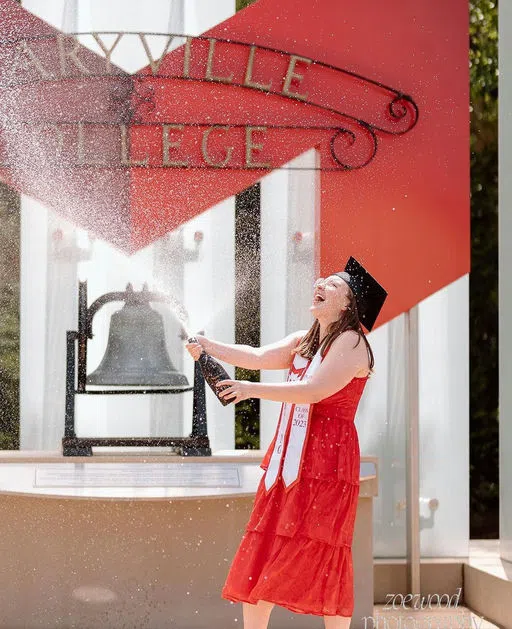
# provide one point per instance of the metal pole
(412, 453)
(69, 421)
(199, 425)
(83, 332)
(505, 280)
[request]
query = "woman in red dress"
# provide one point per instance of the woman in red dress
(296, 549)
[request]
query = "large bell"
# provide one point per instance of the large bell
(136, 353)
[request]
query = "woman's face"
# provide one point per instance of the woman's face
(330, 297)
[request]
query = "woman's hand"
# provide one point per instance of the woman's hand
(240, 389)
(196, 349)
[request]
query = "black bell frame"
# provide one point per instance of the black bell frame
(196, 444)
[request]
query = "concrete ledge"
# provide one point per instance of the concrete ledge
(369, 486)
(488, 582)
(488, 595)
(437, 576)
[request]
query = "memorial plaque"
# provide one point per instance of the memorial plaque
(368, 468)
(137, 475)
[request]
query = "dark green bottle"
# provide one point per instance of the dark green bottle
(213, 372)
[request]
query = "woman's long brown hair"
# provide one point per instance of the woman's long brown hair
(349, 320)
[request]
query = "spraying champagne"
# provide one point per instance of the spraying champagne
(213, 372)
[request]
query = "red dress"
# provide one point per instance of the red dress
(296, 548)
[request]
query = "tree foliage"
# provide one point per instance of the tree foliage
(9, 318)
(241, 4)
(484, 452)
(247, 307)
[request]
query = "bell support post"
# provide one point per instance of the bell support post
(199, 424)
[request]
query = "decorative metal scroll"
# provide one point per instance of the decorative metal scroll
(363, 106)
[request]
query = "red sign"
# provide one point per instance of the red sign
(131, 158)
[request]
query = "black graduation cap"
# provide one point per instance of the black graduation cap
(369, 294)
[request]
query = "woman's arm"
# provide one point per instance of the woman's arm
(342, 363)
(272, 356)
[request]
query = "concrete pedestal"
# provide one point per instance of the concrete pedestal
(97, 557)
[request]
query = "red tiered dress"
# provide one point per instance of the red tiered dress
(296, 548)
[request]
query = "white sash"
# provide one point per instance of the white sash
(294, 419)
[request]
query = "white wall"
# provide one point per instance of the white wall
(444, 419)
(444, 426)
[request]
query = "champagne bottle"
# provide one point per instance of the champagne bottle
(213, 372)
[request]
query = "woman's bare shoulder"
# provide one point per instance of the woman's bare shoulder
(352, 341)
(347, 337)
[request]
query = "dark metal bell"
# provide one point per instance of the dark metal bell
(136, 353)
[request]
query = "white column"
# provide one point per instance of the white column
(505, 284)
(380, 423)
(289, 259)
(167, 415)
(47, 299)
(444, 426)
(444, 420)
(274, 231)
(201, 15)
(303, 254)
(34, 219)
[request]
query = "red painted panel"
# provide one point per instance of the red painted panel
(405, 216)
